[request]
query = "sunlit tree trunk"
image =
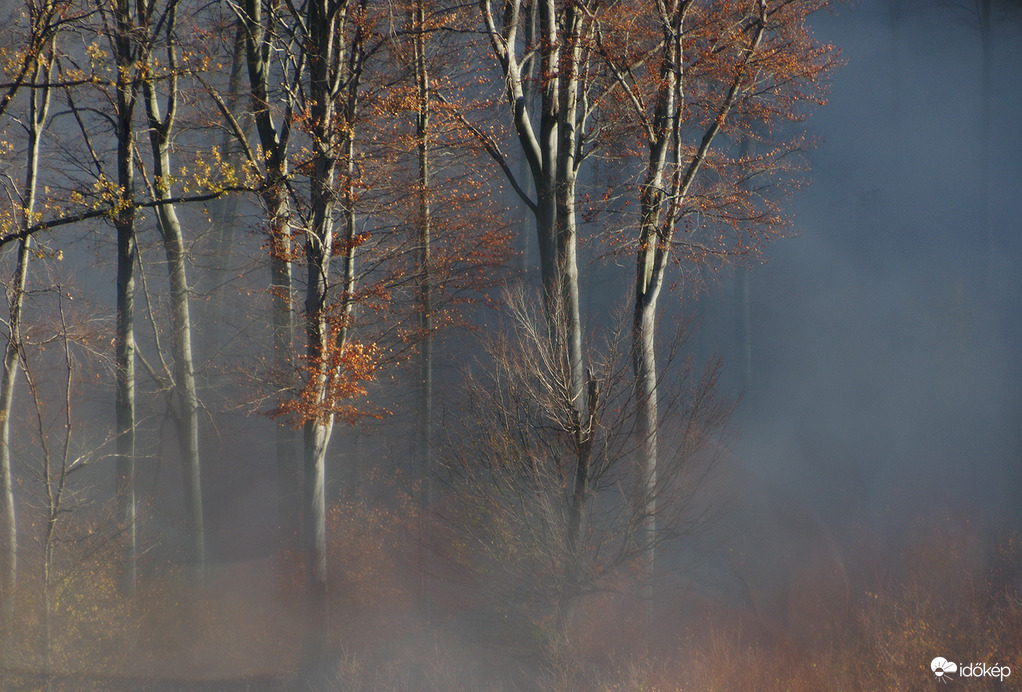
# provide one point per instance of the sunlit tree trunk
(9, 550)
(325, 25)
(333, 46)
(566, 91)
(12, 357)
(282, 322)
(530, 87)
(12, 354)
(160, 129)
(647, 419)
(325, 335)
(660, 206)
(424, 408)
(38, 110)
(650, 264)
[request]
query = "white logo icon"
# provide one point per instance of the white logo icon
(941, 667)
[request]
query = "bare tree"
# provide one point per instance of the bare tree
(541, 493)
(58, 465)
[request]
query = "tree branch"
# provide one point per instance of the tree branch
(108, 211)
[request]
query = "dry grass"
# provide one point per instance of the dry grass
(953, 594)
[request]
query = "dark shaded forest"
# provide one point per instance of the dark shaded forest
(510, 345)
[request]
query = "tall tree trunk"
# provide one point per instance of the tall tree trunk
(325, 338)
(160, 129)
(334, 67)
(647, 416)
(530, 88)
(554, 48)
(649, 278)
(319, 245)
(424, 417)
(659, 212)
(650, 264)
(124, 221)
(316, 438)
(125, 400)
(289, 489)
(12, 354)
(39, 102)
(184, 383)
(422, 88)
(553, 153)
(567, 88)
(274, 143)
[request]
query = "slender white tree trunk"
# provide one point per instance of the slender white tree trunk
(659, 212)
(282, 319)
(12, 354)
(160, 129)
(39, 102)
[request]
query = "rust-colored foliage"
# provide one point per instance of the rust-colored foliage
(333, 384)
(750, 162)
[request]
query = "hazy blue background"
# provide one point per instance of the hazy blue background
(886, 335)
